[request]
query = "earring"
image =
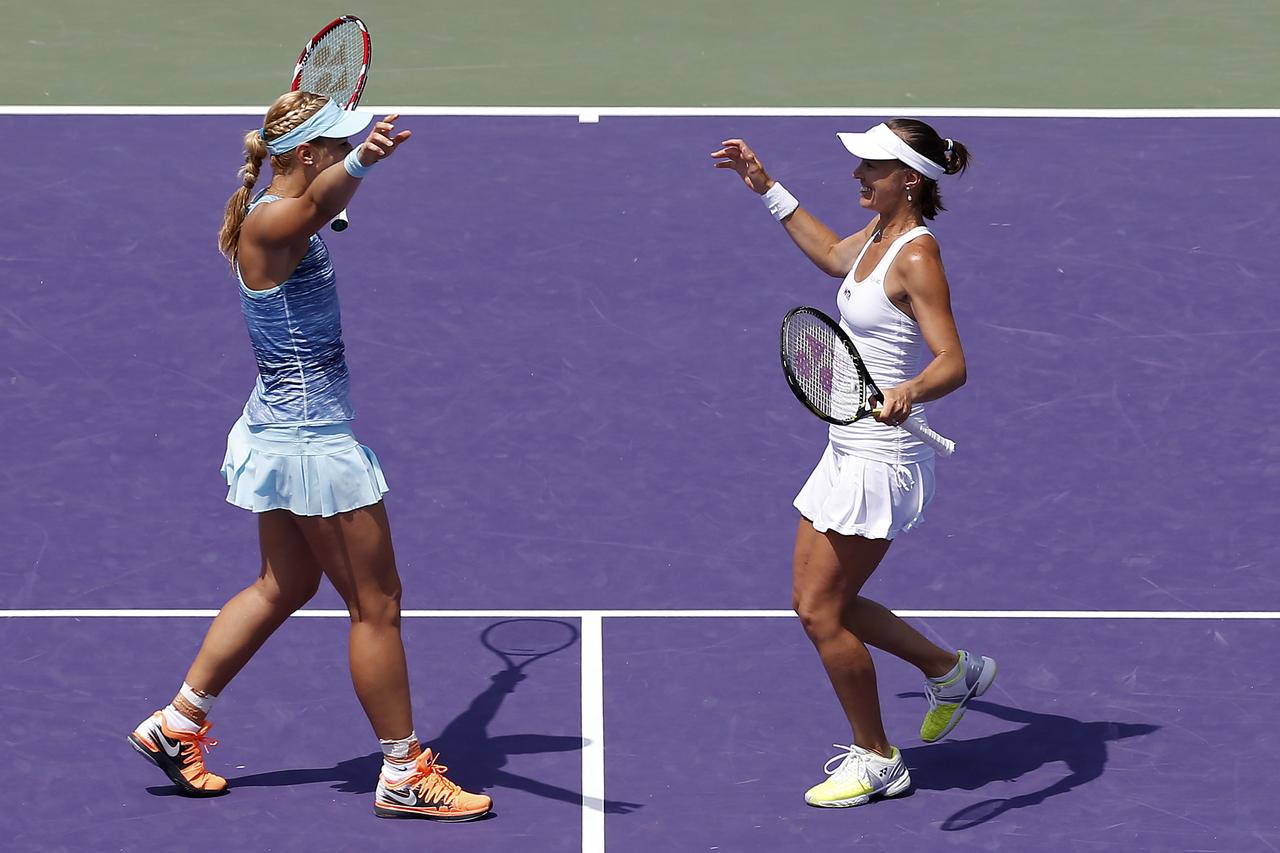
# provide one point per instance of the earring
(908, 193)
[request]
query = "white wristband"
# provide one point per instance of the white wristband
(352, 164)
(780, 202)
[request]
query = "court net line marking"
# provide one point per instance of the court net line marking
(666, 614)
(590, 114)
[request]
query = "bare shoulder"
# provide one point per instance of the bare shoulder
(277, 223)
(923, 249)
(920, 262)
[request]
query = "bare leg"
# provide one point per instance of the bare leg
(880, 627)
(288, 579)
(825, 584)
(354, 549)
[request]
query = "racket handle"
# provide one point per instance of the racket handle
(339, 222)
(940, 444)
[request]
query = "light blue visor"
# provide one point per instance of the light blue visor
(330, 121)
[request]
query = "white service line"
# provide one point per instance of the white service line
(592, 648)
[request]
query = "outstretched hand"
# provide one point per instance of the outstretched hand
(737, 155)
(382, 140)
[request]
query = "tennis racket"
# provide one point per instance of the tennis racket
(520, 642)
(335, 63)
(826, 373)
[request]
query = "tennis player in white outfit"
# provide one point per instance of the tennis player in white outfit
(874, 480)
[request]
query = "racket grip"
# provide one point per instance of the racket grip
(339, 222)
(940, 444)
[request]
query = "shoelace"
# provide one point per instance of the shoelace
(852, 753)
(432, 785)
(932, 693)
(199, 741)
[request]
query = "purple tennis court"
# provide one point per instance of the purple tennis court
(562, 341)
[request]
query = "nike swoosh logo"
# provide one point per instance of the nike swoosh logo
(172, 748)
(403, 797)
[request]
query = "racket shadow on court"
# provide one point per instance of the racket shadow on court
(1007, 756)
(476, 758)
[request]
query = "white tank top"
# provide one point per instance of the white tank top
(890, 344)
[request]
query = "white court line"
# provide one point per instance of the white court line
(592, 645)
(592, 660)
(670, 614)
(586, 114)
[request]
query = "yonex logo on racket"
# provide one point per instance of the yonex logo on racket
(826, 373)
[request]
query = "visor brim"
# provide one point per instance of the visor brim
(862, 146)
(350, 123)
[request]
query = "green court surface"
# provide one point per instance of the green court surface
(911, 53)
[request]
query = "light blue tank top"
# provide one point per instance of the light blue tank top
(296, 332)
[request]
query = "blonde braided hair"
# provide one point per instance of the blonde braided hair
(290, 110)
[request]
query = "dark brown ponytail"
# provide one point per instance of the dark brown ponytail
(925, 141)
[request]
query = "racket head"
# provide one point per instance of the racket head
(519, 642)
(823, 368)
(335, 63)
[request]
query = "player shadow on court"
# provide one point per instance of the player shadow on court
(1007, 756)
(476, 759)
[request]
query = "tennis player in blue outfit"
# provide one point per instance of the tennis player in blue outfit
(293, 460)
(874, 480)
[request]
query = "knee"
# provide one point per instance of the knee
(820, 618)
(380, 606)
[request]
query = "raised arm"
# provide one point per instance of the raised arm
(820, 244)
(291, 220)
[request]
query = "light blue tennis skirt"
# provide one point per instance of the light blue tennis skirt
(308, 470)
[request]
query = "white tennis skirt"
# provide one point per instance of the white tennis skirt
(308, 470)
(861, 497)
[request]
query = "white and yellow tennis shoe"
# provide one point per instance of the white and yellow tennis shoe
(948, 699)
(859, 777)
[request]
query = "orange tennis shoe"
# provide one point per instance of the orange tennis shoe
(428, 793)
(179, 755)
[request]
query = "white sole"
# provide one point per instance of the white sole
(896, 789)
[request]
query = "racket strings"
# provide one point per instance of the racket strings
(823, 368)
(335, 65)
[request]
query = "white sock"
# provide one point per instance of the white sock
(953, 674)
(174, 719)
(399, 756)
(179, 722)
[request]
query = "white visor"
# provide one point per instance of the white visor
(881, 143)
